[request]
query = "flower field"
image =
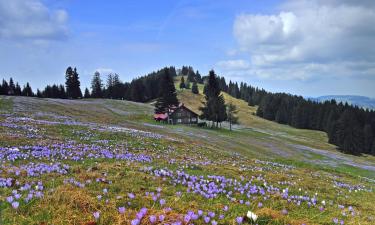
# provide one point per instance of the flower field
(57, 168)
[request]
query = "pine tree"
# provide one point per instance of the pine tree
(17, 90)
(194, 88)
(182, 83)
(27, 91)
(87, 93)
(96, 86)
(214, 108)
(69, 82)
(12, 87)
(168, 96)
(231, 115)
(76, 85)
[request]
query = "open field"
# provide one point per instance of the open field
(106, 162)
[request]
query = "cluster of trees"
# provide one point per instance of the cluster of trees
(186, 85)
(349, 127)
(11, 88)
(142, 89)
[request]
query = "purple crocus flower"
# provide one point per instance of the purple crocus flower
(135, 222)
(15, 205)
(152, 219)
(96, 215)
(161, 218)
(162, 202)
(206, 219)
(239, 220)
(121, 210)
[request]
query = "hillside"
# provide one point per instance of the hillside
(110, 154)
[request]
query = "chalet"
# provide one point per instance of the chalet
(178, 115)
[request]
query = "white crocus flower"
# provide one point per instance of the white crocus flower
(252, 216)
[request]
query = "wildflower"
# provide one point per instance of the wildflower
(214, 222)
(335, 220)
(252, 216)
(10, 199)
(161, 218)
(284, 212)
(239, 220)
(206, 219)
(96, 215)
(15, 205)
(131, 195)
(152, 219)
(162, 202)
(260, 205)
(135, 222)
(121, 210)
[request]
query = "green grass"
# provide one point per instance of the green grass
(226, 150)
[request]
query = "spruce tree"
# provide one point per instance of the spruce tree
(168, 96)
(214, 108)
(194, 88)
(27, 91)
(87, 93)
(76, 85)
(96, 86)
(69, 82)
(12, 87)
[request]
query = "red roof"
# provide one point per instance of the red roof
(161, 116)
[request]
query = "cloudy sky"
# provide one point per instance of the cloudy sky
(309, 48)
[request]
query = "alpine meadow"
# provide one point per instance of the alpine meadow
(187, 112)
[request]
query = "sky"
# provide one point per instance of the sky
(309, 48)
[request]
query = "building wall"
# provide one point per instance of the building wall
(183, 116)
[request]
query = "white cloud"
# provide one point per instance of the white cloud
(307, 39)
(20, 19)
(238, 64)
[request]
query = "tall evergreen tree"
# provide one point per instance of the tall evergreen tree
(27, 91)
(214, 108)
(194, 88)
(167, 97)
(87, 93)
(12, 87)
(96, 86)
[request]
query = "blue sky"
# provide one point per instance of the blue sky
(309, 48)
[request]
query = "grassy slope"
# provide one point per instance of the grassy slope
(257, 138)
(267, 138)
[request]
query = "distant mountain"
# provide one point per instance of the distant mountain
(360, 101)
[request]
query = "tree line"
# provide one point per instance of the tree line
(349, 127)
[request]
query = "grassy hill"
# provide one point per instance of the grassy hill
(93, 155)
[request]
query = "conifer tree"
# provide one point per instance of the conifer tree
(87, 93)
(12, 87)
(167, 96)
(96, 86)
(214, 108)
(194, 88)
